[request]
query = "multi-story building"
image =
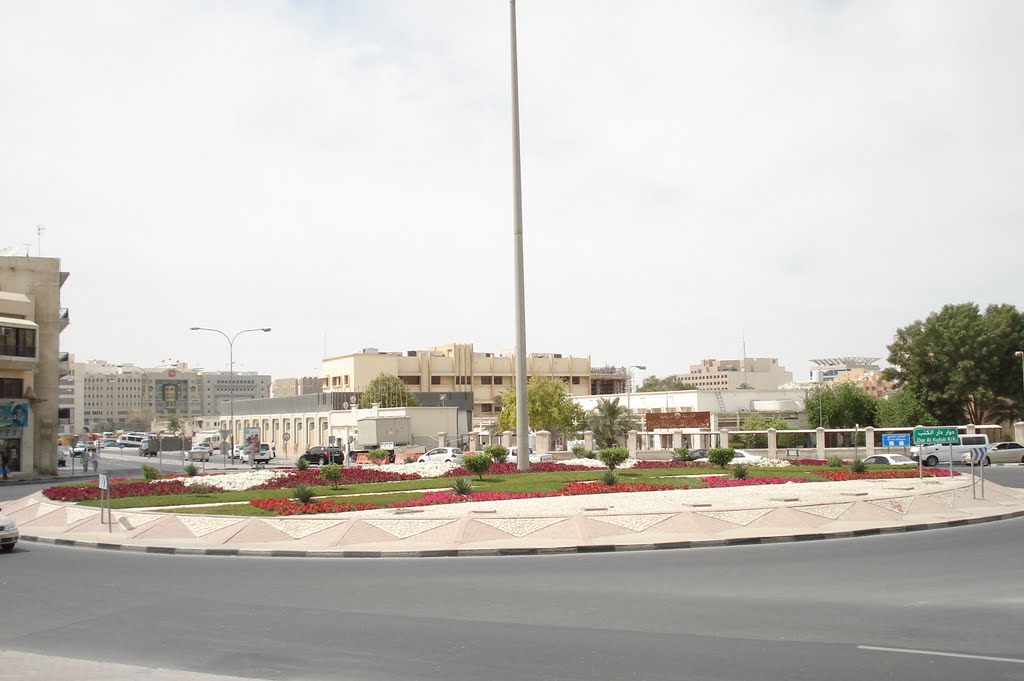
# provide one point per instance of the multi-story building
(219, 387)
(871, 381)
(291, 387)
(31, 320)
(830, 368)
(751, 373)
(455, 367)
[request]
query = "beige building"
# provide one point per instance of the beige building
(31, 320)
(753, 373)
(455, 367)
(290, 387)
(873, 382)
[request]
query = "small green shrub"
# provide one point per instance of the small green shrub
(377, 456)
(613, 456)
(301, 464)
(331, 473)
(461, 486)
(835, 462)
(579, 451)
(679, 453)
(721, 456)
(497, 452)
(410, 458)
(591, 454)
(201, 488)
(740, 470)
(858, 465)
(191, 470)
(610, 478)
(150, 472)
(303, 494)
(477, 463)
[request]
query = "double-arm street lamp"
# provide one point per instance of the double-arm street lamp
(231, 379)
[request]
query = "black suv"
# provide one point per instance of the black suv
(319, 455)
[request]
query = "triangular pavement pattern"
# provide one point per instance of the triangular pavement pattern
(519, 527)
(132, 521)
(899, 505)
(788, 517)
(298, 528)
(636, 523)
(76, 513)
(743, 518)
(200, 526)
(403, 529)
(829, 511)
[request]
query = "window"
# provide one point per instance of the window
(435, 380)
(15, 342)
(11, 388)
(497, 380)
(575, 380)
(487, 408)
(485, 380)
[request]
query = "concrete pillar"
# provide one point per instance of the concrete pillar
(506, 439)
(588, 440)
(543, 441)
(474, 442)
(971, 429)
(723, 437)
(677, 439)
(773, 443)
(631, 443)
(704, 439)
(441, 439)
(819, 441)
(869, 441)
(1018, 432)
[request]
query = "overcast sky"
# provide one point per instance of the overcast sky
(812, 175)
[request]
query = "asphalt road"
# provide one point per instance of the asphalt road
(814, 611)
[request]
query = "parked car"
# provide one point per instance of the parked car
(513, 455)
(8, 534)
(79, 449)
(249, 455)
(936, 454)
(696, 454)
(199, 452)
(1001, 452)
(319, 454)
(889, 460)
(446, 454)
(740, 456)
(107, 442)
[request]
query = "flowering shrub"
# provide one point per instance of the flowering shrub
(120, 490)
(576, 488)
(448, 497)
(668, 464)
(733, 482)
(292, 507)
(508, 468)
(836, 476)
(811, 462)
(349, 476)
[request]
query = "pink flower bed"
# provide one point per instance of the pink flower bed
(512, 467)
(349, 476)
(669, 464)
(574, 488)
(119, 490)
(292, 507)
(434, 498)
(743, 482)
(837, 476)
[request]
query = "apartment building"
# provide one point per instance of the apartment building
(456, 367)
(750, 373)
(31, 320)
(291, 387)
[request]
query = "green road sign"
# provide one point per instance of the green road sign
(936, 436)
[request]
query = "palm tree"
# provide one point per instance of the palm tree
(610, 421)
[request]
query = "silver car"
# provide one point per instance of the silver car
(446, 454)
(8, 534)
(1001, 452)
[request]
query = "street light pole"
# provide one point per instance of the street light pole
(231, 378)
(1020, 353)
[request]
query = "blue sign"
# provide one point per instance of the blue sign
(14, 413)
(896, 440)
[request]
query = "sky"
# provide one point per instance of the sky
(807, 176)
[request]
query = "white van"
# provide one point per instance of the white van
(131, 440)
(936, 454)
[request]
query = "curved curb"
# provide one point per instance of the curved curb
(556, 550)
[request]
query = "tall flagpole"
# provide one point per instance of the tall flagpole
(522, 402)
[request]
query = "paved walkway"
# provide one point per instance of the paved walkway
(578, 524)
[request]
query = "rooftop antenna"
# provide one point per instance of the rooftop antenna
(27, 248)
(39, 237)
(744, 332)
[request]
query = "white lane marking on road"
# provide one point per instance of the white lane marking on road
(941, 654)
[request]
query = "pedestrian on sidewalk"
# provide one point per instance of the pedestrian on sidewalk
(5, 460)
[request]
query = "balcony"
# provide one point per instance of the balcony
(63, 364)
(65, 318)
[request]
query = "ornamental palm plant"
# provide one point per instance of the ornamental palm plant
(609, 422)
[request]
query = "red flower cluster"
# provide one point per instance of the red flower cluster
(512, 467)
(743, 482)
(433, 498)
(668, 464)
(808, 462)
(292, 507)
(349, 476)
(157, 488)
(836, 476)
(575, 488)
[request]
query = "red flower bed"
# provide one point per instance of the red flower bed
(669, 464)
(808, 462)
(156, 488)
(292, 507)
(433, 498)
(574, 488)
(349, 476)
(512, 467)
(837, 476)
(743, 482)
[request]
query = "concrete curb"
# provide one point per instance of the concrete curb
(525, 551)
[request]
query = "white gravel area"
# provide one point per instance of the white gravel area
(752, 496)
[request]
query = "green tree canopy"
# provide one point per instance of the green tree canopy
(653, 384)
(139, 421)
(840, 405)
(549, 408)
(759, 422)
(173, 422)
(389, 391)
(902, 409)
(610, 421)
(959, 362)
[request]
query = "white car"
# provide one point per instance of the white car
(199, 452)
(8, 534)
(740, 456)
(513, 456)
(889, 460)
(445, 454)
(1001, 452)
(262, 457)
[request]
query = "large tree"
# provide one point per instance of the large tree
(901, 409)
(654, 384)
(761, 422)
(389, 391)
(959, 362)
(840, 405)
(610, 421)
(549, 408)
